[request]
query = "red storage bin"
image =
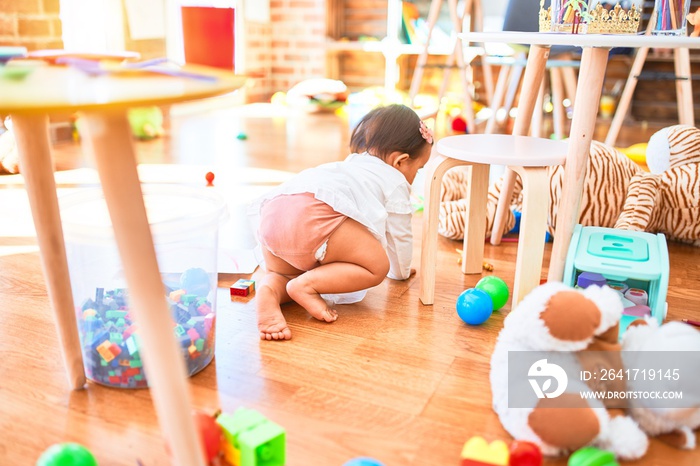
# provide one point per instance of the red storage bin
(208, 34)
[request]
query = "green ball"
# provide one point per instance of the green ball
(496, 288)
(66, 454)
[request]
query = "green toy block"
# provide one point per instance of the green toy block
(264, 445)
(260, 441)
(592, 456)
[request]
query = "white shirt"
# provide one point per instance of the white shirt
(369, 191)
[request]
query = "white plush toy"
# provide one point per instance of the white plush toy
(671, 425)
(556, 317)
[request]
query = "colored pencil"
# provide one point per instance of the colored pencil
(673, 14)
(694, 323)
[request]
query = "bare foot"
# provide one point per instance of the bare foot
(310, 300)
(271, 322)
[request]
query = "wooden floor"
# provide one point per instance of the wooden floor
(391, 379)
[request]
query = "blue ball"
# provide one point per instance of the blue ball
(363, 461)
(195, 281)
(474, 306)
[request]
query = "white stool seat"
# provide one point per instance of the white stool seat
(503, 149)
(525, 155)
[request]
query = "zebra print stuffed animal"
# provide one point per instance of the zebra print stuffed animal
(617, 192)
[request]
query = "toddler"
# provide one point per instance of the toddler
(343, 226)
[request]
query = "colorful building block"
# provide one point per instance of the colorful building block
(477, 452)
(256, 440)
(591, 456)
(243, 287)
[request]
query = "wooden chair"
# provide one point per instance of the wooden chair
(521, 15)
(527, 156)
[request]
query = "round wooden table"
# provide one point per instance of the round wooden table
(103, 101)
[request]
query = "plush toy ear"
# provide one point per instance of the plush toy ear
(640, 203)
(673, 146)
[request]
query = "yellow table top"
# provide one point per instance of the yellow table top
(48, 89)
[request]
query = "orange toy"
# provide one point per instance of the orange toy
(694, 19)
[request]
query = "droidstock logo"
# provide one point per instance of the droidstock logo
(544, 372)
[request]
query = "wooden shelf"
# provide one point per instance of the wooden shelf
(379, 46)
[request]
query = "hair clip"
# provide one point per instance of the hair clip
(426, 132)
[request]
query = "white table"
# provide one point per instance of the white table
(596, 48)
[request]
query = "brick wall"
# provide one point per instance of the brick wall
(34, 24)
(289, 49)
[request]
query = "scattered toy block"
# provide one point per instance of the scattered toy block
(243, 287)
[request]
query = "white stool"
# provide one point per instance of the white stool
(527, 156)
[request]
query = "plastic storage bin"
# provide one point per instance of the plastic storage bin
(184, 224)
(632, 262)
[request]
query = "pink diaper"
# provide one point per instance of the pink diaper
(295, 228)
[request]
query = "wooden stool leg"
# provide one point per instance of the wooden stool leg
(434, 171)
(475, 220)
(626, 98)
(498, 95)
(684, 87)
(558, 113)
(36, 166)
(537, 116)
(110, 142)
(568, 74)
(534, 74)
(533, 226)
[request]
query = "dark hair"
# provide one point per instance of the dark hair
(393, 128)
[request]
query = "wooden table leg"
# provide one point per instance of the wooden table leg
(590, 85)
(110, 141)
(684, 86)
(36, 165)
(534, 74)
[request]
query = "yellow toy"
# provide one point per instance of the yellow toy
(636, 152)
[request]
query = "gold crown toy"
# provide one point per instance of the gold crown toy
(597, 21)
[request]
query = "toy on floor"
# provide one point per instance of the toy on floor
(242, 287)
(66, 454)
(9, 157)
(478, 452)
(592, 456)
(555, 317)
(242, 136)
(694, 19)
(484, 265)
(474, 306)
(210, 434)
(146, 122)
(636, 152)
(617, 192)
(674, 426)
(250, 439)
(524, 454)
(496, 289)
(210, 178)
(635, 264)
(363, 461)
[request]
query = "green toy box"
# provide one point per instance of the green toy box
(634, 263)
